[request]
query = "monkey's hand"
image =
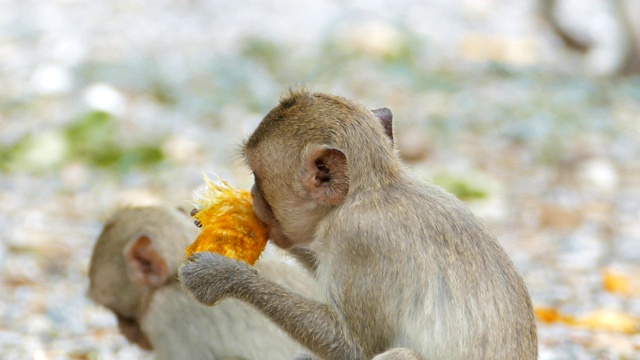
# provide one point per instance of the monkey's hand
(211, 277)
(196, 221)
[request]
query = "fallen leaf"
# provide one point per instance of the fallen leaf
(617, 283)
(603, 319)
(551, 315)
(609, 320)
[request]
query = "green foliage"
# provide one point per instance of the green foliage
(264, 51)
(92, 139)
(164, 94)
(36, 152)
(462, 188)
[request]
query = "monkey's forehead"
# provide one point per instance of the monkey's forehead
(304, 118)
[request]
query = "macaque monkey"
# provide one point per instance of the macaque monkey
(405, 270)
(133, 273)
(610, 45)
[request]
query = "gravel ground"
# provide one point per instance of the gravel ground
(553, 152)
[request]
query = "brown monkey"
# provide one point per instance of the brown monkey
(133, 273)
(604, 55)
(406, 271)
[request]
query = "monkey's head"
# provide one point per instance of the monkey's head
(136, 253)
(309, 154)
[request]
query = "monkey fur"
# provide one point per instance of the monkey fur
(133, 273)
(405, 270)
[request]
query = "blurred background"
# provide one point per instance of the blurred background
(527, 110)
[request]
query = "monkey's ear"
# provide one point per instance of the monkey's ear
(327, 177)
(386, 119)
(147, 265)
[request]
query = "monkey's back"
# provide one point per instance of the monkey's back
(473, 303)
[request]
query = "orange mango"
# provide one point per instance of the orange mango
(229, 225)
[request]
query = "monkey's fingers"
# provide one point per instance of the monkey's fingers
(196, 280)
(193, 213)
(211, 277)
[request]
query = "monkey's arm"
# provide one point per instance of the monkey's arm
(211, 277)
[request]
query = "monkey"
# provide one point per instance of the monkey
(133, 273)
(405, 270)
(610, 51)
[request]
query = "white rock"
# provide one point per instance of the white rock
(51, 79)
(105, 98)
(599, 173)
(375, 38)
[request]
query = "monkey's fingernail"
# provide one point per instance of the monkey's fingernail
(198, 223)
(194, 212)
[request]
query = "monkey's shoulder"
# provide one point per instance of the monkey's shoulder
(410, 215)
(410, 201)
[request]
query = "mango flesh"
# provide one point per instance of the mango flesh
(229, 225)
